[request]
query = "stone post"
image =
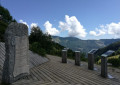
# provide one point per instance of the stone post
(77, 58)
(90, 61)
(16, 63)
(64, 56)
(104, 67)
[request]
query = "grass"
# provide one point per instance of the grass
(112, 57)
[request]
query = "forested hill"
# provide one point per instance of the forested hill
(114, 46)
(84, 45)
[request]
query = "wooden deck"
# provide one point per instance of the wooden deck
(53, 72)
(56, 73)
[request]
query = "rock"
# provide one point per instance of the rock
(16, 63)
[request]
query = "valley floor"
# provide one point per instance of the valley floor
(54, 72)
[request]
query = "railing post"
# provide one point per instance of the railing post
(64, 56)
(90, 61)
(77, 58)
(104, 72)
(104, 56)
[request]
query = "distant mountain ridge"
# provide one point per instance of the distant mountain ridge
(84, 45)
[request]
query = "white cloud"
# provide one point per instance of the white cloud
(114, 29)
(21, 21)
(49, 29)
(93, 33)
(98, 32)
(111, 29)
(33, 25)
(73, 26)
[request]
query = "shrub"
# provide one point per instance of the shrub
(114, 61)
(83, 58)
(36, 47)
(42, 52)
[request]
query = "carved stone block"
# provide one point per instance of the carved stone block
(16, 63)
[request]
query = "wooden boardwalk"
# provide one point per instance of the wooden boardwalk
(56, 73)
(53, 72)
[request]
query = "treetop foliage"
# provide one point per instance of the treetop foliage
(5, 19)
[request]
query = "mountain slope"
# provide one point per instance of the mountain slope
(114, 46)
(84, 45)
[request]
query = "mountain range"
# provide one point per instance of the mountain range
(82, 45)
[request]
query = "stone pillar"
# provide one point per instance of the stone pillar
(16, 63)
(104, 67)
(64, 56)
(90, 61)
(77, 58)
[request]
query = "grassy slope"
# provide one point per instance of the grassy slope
(112, 57)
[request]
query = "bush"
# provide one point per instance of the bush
(97, 59)
(36, 47)
(83, 58)
(42, 52)
(71, 54)
(114, 61)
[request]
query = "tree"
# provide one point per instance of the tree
(5, 19)
(42, 43)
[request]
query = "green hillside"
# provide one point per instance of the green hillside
(42, 44)
(114, 59)
(84, 45)
(114, 46)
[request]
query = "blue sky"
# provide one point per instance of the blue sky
(85, 19)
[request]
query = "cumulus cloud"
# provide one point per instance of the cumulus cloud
(93, 33)
(33, 25)
(98, 32)
(111, 29)
(114, 29)
(49, 29)
(21, 21)
(73, 26)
